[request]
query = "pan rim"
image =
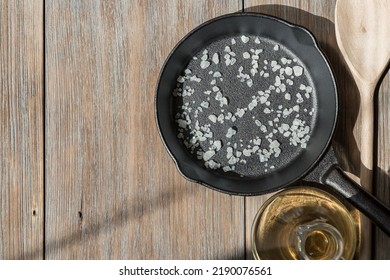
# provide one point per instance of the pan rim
(314, 43)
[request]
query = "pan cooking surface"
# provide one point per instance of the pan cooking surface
(245, 106)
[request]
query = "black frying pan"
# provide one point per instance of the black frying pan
(316, 163)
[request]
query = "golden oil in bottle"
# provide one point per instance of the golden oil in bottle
(304, 223)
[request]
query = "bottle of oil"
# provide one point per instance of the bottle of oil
(304, 223)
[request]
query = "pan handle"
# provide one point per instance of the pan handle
(365, 202)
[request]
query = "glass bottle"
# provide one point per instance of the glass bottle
(304, 223)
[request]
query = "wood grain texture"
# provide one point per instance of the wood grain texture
(21, 129)
(318, 17)
(368, 22)
(112, 190)
(382, 172)
(361, 32)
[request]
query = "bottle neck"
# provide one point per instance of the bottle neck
(318, 240)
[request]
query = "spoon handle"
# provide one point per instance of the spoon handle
(367, 142)
(366, 158)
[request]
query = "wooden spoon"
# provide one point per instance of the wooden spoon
(363, 35)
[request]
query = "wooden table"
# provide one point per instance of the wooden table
(83, 172)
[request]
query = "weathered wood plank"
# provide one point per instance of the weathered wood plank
(382, 241)
(318, 17)
(21, 129)
(112, 190)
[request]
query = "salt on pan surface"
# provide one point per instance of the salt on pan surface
(224, 133)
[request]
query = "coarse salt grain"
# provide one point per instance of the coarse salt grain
(231, 132)
(217, 145)
(213, 118)
(204, 64)
(205, 104)
(208, 155)
(244, 39)
(298, 71)
(215, 58)
(217, 74)
(195, 78)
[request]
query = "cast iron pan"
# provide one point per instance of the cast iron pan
(316, 163)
